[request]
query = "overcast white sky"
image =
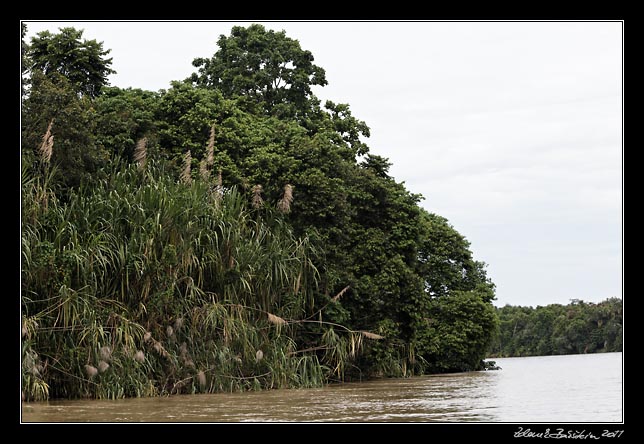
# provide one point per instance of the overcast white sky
(511, 130)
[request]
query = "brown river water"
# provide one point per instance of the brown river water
(573, 388)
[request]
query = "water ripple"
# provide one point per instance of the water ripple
(574, 388)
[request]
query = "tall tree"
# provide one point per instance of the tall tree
(454, 322)
(84, 62)
(265, 69)
(67, 73)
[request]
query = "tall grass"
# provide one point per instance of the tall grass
(143, 284)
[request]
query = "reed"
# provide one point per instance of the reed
(91, 371)
(139, 356)
(340, 293)
(201, 378)
(186, 173)
(208, 160)
(47, 145)
(105, 353)
(140, 153)
(127, 263)
(276, 319)
(103, 366)
(257, 200)
(370, 335)
(284, 204)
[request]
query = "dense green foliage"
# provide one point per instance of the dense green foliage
(579, 327)
(267, 71)
(227, 233)
(82, 62)
(193, 266)
(78, 156)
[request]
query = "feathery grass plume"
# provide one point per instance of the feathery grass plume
(31, 363)
(284, 204)
(160, 349)
(298, 283)
(257, 200)
(91, 370)
(370, 335)
(219, 187)
(201, 378)
(47, 145)
(102, 366)
(339, 295)
(259, 355)
(203, 170)
(355, 344)
(276, 319)
(29, 360)
(147, 336)
(208, 160)
(178, 323)
(105, 353)
(220, 181)
(169, 330)
(139, 356)
(140, 152)
(210, 149)
(29, 327)
(185, 177)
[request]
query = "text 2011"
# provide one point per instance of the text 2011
(612, 433)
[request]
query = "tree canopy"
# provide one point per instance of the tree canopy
(83, 62)
(268, 71)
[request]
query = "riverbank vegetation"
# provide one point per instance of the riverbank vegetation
(556, 329)
(229, 233)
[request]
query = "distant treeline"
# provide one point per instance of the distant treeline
(579, 327)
